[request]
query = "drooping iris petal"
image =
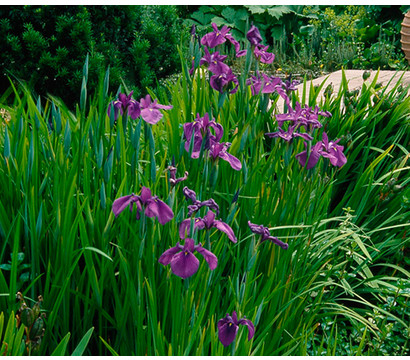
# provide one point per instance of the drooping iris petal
(121, 204)
(167, 256)
(241, 53)
(276, 241)
(162, 107)
(165, 213)
(226, 229)
(139, 209)
(149, 110)
(305, 136)
(232, 160)
(151, 116)
(251, 327)
(157, 208)
(341, 158)
(184, 264)
(227, 331)
(209, 257)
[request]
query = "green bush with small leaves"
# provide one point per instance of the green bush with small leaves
(45, 46)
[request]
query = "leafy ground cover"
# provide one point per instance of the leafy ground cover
(313, 39)
(253, 230)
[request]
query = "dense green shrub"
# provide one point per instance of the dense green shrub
(46, 45)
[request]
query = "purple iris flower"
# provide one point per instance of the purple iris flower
(305, 116)
(214, 61)
(271, 84)
(219, 150)
(224, 80)
(254, 36)
(324, 148)
(268, 84)
(173, 180)
(228, 328)
(256, 83)
(289, 134)
(189, 194)
(197, 204)
(314, 156)
(202, 129)
(218, 37)
(125, 103)
(207, 222)
(264, 231)
(150, 110)
(289, 86)
(332, 151)
(183, 262)
(153, 206)
(262, 55)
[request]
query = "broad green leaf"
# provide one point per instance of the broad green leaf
(256, 9)
(278, 11)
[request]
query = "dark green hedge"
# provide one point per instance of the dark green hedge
(46, 46)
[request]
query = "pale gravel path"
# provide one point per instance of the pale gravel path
(355, 81)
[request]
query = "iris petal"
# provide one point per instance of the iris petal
(209, 257)
(145, 194)
(151, 116)
(165, 213)
(184, 228)
(226, 229)
(226, 332)
(121, 203)
(184, 264)
(251, 327)
(167, 256)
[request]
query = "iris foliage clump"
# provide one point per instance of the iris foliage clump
(231, 214)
